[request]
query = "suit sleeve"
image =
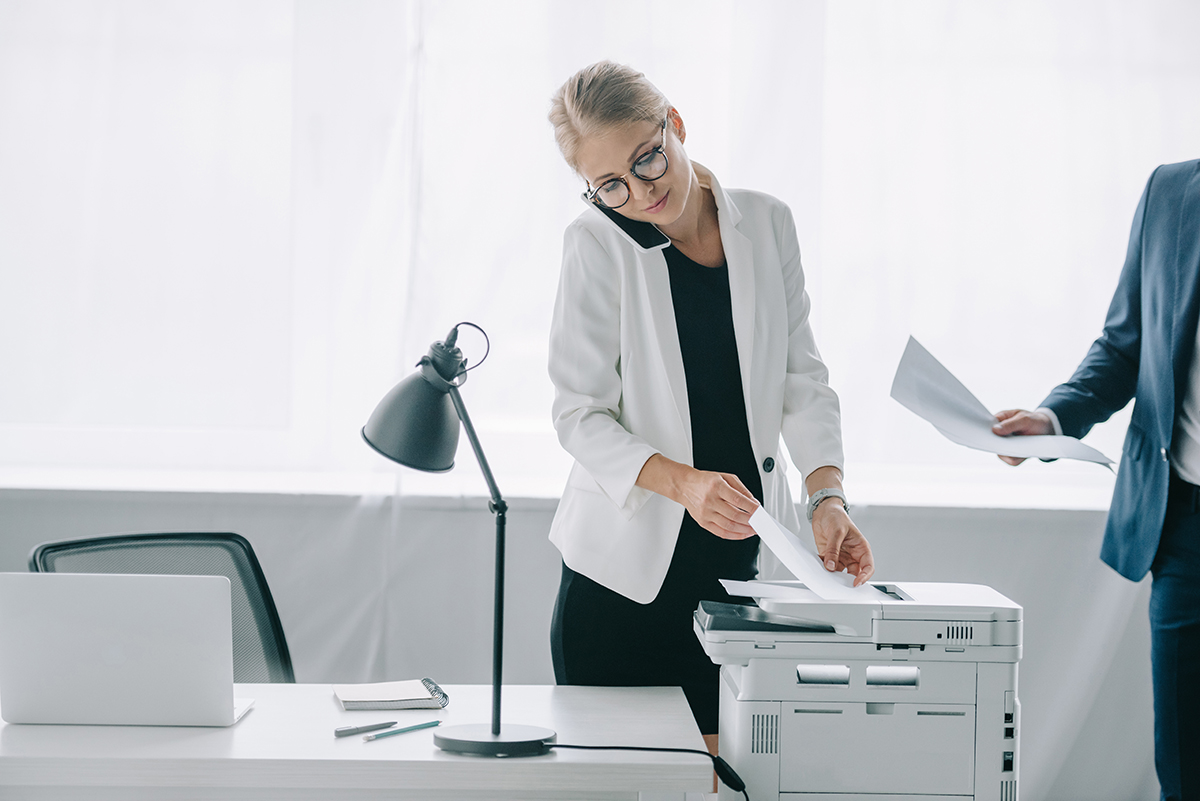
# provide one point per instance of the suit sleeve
(1107, 377)
(812, 418)
(585, 368)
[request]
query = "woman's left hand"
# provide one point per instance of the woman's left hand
(839, 542)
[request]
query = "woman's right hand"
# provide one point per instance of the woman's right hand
(719, 502)
(1020, 422)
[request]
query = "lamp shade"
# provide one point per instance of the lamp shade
(415, 425)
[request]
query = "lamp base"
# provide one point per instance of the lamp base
(477, 738)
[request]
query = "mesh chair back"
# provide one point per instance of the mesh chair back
(260, 652)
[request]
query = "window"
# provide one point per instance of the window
(227, 230)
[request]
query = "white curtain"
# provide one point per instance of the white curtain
(204, 236)
(981, 166)
(227, 228)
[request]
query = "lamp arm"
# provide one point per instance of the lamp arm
(483, 462)
(500, 509)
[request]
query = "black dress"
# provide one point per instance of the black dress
(600, 637)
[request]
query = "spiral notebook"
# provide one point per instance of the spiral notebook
(411, 694)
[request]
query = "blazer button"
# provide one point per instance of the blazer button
(1163, 451)
(768, 464)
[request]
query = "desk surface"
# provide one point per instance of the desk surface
(285, 748)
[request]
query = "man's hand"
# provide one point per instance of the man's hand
(1021, 423)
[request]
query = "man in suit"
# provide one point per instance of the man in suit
(1148, 351)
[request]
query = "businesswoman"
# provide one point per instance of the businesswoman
(680, 352)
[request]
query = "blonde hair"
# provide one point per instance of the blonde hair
(598, 98)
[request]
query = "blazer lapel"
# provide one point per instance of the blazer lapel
(1186, 273)
(739, 255)
(650, 243)
(662, 309)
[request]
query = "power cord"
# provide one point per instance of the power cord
(724, 772)
(486, 340)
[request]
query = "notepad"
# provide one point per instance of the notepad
(412, 694)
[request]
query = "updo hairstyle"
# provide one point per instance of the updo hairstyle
(598, 98)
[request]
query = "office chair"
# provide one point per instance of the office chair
(260, 652)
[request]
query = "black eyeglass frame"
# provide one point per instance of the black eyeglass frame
(591, 194)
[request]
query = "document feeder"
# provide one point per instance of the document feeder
(912, 697)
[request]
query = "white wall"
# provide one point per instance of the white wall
(371, 591)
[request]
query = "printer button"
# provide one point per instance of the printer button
(768, 464)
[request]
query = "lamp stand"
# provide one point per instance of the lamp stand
(478, 738)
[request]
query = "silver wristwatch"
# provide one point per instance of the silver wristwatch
(815, 499)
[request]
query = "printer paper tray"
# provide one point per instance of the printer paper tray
(914, 748)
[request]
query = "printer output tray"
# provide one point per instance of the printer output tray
(718, 616)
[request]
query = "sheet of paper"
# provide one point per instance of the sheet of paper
(804, 564)
(929, 390)
(410, 690)
(765, 589)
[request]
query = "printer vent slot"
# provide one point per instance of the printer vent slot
(959, 633)
(893, 676)
(1008, 790)
(764, 734)
(835, 675)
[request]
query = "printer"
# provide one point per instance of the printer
(907, 695)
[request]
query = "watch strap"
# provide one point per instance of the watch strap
(820, 495)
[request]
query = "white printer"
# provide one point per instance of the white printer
(910, 695)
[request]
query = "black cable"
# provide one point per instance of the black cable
(724, 772)
(486, 341)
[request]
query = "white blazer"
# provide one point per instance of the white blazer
(621, 392)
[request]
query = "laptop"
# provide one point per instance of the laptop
(130, 650)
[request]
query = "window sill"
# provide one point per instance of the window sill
(1035, 485)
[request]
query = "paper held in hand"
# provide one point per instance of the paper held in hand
(805, 565)
(929, 390)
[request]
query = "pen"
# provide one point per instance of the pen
(346, 731)
(426, 725)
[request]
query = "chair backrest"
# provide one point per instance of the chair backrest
(260, 652)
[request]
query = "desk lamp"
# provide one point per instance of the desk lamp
(416, 425)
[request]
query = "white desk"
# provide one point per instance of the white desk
(285, 749)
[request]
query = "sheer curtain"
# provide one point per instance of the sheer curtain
(226, 229)
(205, 233)
(981, 166)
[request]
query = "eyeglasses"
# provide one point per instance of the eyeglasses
(614, 193)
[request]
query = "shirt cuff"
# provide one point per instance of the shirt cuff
(1053, 419)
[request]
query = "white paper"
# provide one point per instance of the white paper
(765, 589)
(384, 691)
(804, 564)
(929, 390)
